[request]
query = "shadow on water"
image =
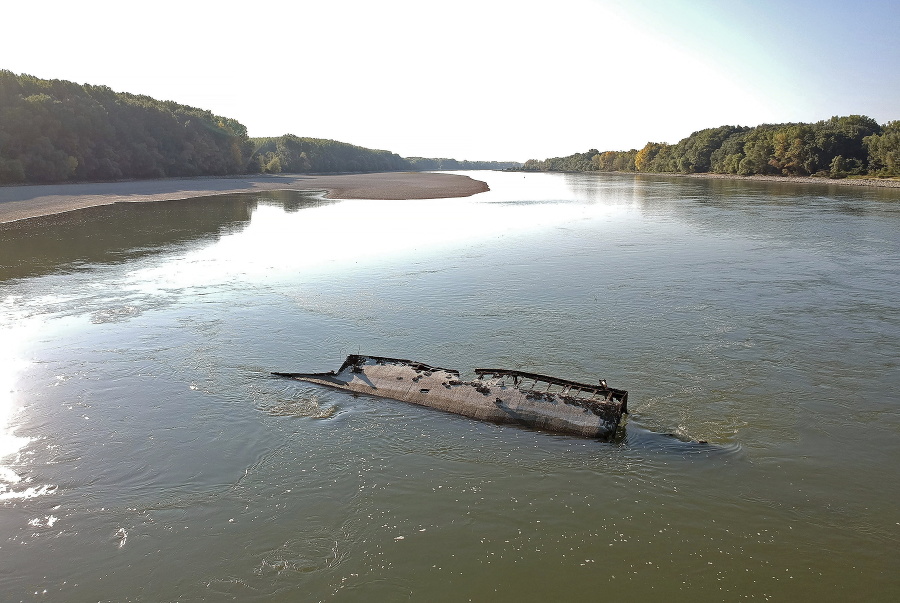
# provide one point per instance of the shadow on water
(126, 231)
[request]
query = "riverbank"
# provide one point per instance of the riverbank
(875, 182)
(32, 201)
(879, 182)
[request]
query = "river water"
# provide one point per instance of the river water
(146, 454)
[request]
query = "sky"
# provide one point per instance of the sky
(505, 80)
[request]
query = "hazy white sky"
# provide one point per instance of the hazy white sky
(477, 79)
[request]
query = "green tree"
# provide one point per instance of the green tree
(273, 164)
(693, 154)
(644, 158)
(884, 150)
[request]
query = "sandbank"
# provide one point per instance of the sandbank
(32, 201)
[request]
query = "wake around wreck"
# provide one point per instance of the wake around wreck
(496, 395)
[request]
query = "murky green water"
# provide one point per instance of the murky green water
(146, 454)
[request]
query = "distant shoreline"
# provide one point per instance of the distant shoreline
(874, 182)
(33, 201)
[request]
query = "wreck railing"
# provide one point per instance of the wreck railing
(601, 390)
(360, 359)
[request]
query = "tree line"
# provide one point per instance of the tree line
(853, 145)
(58, 131)
(293, 154)
(428, 164)
(289, 153)
(54, 130)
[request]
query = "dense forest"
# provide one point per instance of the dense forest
(56, 131)
(53, 130)
(854, 145)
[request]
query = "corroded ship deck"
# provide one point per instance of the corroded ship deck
(496, 395)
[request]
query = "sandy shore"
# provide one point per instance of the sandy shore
(23, 202)
(878, 182)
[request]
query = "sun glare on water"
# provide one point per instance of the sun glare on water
(348, 234)
(11, 365)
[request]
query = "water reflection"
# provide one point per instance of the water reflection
(114, 233)
(333, 236)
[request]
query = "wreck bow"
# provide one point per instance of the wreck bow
(496, 395)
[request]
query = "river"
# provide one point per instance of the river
(146, 454)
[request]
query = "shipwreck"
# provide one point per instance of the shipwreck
(496, 395)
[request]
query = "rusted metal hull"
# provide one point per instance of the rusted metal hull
(496, 395)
